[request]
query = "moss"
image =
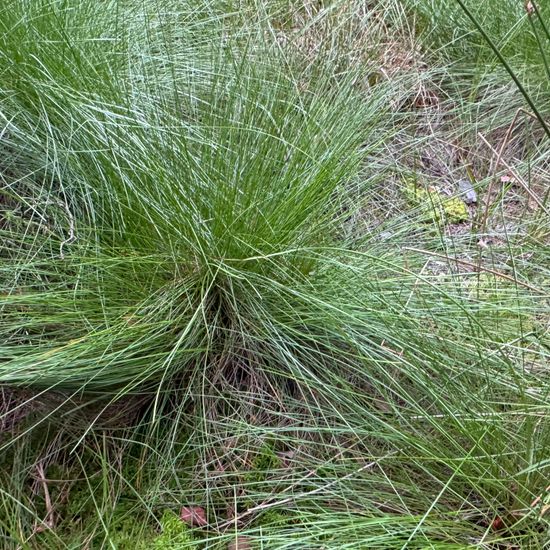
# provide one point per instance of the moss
(78, 514)
(128, 532)
(80, 504)
(456, 210)
(263, 463)
(436, 207)
(175, 534)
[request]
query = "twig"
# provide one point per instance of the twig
(48, 522)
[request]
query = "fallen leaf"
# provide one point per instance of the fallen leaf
(193, 515)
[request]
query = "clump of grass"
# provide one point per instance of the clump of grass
(163, 227)
(508, 24)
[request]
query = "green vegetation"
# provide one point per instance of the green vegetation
(174, 534)
(242, 301)
(437, 208)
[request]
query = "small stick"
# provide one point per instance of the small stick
(48, 522)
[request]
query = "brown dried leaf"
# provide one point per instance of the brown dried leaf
(193, 515)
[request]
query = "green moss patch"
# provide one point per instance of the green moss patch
(175, 534)
(436, 207)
